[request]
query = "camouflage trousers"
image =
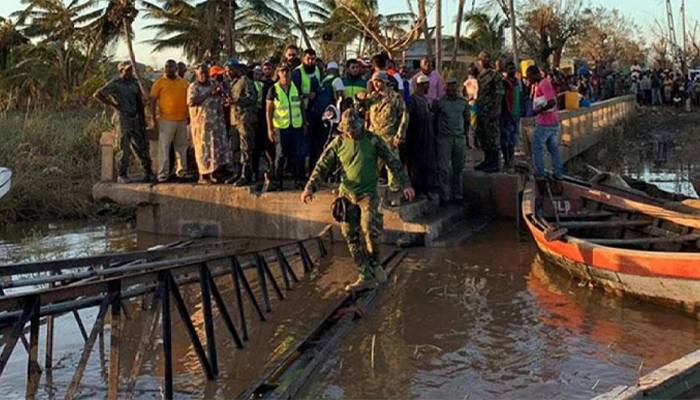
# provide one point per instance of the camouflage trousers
(363, 231)
(452, 153)
(488, 133)
(131, 135)
(245, 133)
(391, 179)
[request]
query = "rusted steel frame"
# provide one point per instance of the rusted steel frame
(146, 342)
(87, 349)
(60, 305)
(17, 330)
(219, 300)
(266, 269)
(208, 318)
(305, 258)
(33, 370)
(189, 327)
(114, 290)
(191, 260)
(262, 283)
(82, 262)
(287, 270)
(239, 279)
(164, 283)
(81, 326)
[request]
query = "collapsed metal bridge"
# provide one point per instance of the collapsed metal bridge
(32, 295)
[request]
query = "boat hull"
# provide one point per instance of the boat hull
(668, 278)
(5, 181)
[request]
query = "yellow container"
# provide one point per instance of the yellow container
(524, 64)
(571, 100)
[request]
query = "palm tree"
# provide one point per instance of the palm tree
(259, 27)
(458, 30)
(486, 33)
(10, 38)
(300, 24)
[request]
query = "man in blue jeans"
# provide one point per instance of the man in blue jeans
(547, 126)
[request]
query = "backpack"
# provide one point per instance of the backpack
(324, 97)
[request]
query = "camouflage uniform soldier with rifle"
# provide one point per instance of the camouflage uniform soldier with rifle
(357, 152)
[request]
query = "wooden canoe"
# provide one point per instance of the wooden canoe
(627, 243)
(5, 181)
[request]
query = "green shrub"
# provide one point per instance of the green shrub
(55, 159)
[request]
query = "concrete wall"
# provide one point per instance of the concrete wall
(584, 127)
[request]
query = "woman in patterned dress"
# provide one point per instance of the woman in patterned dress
(211, 148)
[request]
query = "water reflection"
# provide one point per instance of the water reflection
(27, 242)
(485, 321)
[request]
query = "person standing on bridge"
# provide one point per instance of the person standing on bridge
(488, 106)
(170, 115)
(357, 152)
(243, 116)
(124, 96)
(546, 123)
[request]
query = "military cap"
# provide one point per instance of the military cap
(380, 76)
(422, 79)
(350, 121)
(123, 65)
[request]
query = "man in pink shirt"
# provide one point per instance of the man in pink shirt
(546, 123)
(437, 86)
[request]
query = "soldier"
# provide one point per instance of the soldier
(124, 96)
(357, 152)
(243, 115)
(488, 106)
(387, 118)
(452, 114)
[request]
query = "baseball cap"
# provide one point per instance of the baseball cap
(332, 65)
(422, 79)
(216, 70)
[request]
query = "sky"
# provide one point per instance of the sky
(642, 12)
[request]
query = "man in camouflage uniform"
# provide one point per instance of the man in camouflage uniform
(488, 105)
(357, 152)
(243, 117)
(387, 118)
(124, 96)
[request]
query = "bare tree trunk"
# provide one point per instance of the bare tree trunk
(300, 21)
(230, 16)
(514, 33)
(422, 14)
(438, 35)
(132, 57)
(458, 31)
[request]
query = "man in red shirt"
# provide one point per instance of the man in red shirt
(546, 123)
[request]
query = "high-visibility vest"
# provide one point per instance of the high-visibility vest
(354, 87)
(261, 95)
(306, 79)
(287, 108)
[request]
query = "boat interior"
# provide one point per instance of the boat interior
(634, 215)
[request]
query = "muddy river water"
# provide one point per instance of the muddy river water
(487, 319)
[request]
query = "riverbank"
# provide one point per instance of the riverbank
(54, 156)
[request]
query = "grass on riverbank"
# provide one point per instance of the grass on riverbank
(54, 157)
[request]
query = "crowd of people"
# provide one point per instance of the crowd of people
(220, 125)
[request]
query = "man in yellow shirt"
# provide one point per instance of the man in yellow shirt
(169, 98)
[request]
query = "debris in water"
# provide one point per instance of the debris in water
(639, 370)
(371, 357)
(595, 385)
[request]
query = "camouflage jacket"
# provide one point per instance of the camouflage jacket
(243, 100)
(357, 159)
(127, 94)
(387, 115)
(491, 92)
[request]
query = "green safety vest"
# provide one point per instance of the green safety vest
(261, 95)
(287, 108)
(306, 79)
(354, 87)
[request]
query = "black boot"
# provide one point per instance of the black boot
(245, 178)
(494, 162)
(483, 164)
